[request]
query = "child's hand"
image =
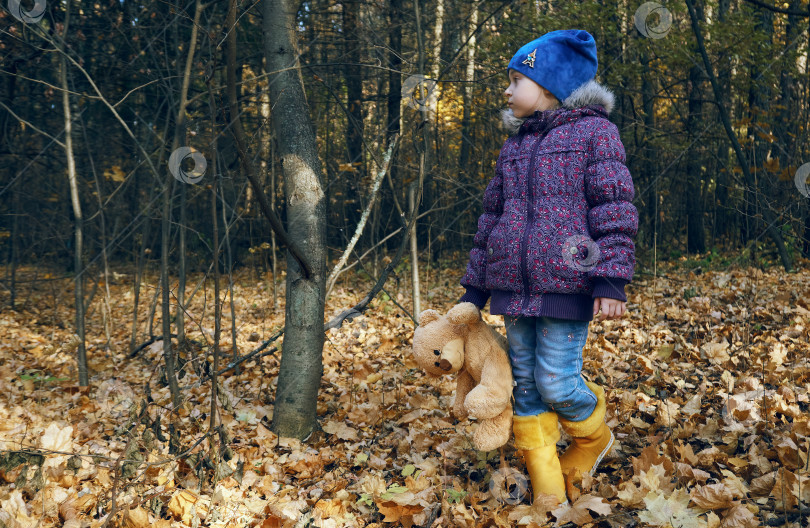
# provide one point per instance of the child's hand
(611, 308)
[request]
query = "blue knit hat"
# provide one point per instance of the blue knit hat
(559, 61)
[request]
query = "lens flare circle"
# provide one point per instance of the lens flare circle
(509, 486)
(642, 20)
(580, 253)
(417, 90)
(176, 161)
(115, 397)
(800, 179)
(29, 17)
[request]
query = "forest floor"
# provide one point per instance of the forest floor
(707, 376)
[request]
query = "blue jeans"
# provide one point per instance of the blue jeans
(546, 358)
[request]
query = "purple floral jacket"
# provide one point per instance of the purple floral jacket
(558, 220)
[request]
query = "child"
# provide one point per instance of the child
(554, 248)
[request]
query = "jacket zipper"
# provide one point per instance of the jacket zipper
(524, 256)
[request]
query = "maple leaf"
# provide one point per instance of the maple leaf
(712, 496)
(579, 512)
(631, 495)
(670, 511)
(56, 437)
(717, 353)
(654, 478)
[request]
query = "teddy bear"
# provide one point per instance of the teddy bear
(462, 343)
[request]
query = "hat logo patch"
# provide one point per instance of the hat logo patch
(530, 58)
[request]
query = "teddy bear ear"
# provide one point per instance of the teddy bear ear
(464, 313)
(428, 316)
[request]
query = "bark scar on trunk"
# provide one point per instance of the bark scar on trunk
(306, 188)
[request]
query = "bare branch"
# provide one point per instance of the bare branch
(779, 9)
(330, 281)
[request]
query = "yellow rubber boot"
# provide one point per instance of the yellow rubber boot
(591, 437)
(537, 436)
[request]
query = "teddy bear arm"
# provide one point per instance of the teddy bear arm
(464, 384)
(495, 387)
(492, 394)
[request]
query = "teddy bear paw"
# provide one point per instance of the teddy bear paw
(491, 435)
(481, 405)
(460, 412)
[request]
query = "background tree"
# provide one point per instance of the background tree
(713, 135)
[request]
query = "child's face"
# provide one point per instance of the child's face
(526, 96)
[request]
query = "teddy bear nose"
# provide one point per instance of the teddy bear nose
(445, 365)
(437, 352)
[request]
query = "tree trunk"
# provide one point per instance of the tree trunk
(787, 130)
(354, 92)
(273, 250)
(14, 246)
(649, 160)
(417, 298)
(768, 214)
(217, 306)
(145, 241)
(168, 350)
(759, 95)
(301, 362)
(179, 137)
(229, 258)
(806, 237)
(269, 168)
(721, 204)
(14, 260)
(430, 135)
(107, 302)
(695, 235)
(394, 106)
(77, 216)
(180, 316)
(467, 139)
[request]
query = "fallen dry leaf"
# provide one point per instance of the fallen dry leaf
(579, 512)
(712, 496)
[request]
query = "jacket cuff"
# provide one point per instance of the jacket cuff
(475, 296)
(612, 288)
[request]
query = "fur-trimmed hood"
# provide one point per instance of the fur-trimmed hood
(590, 93)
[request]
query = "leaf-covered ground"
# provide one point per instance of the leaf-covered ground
(707, 375)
